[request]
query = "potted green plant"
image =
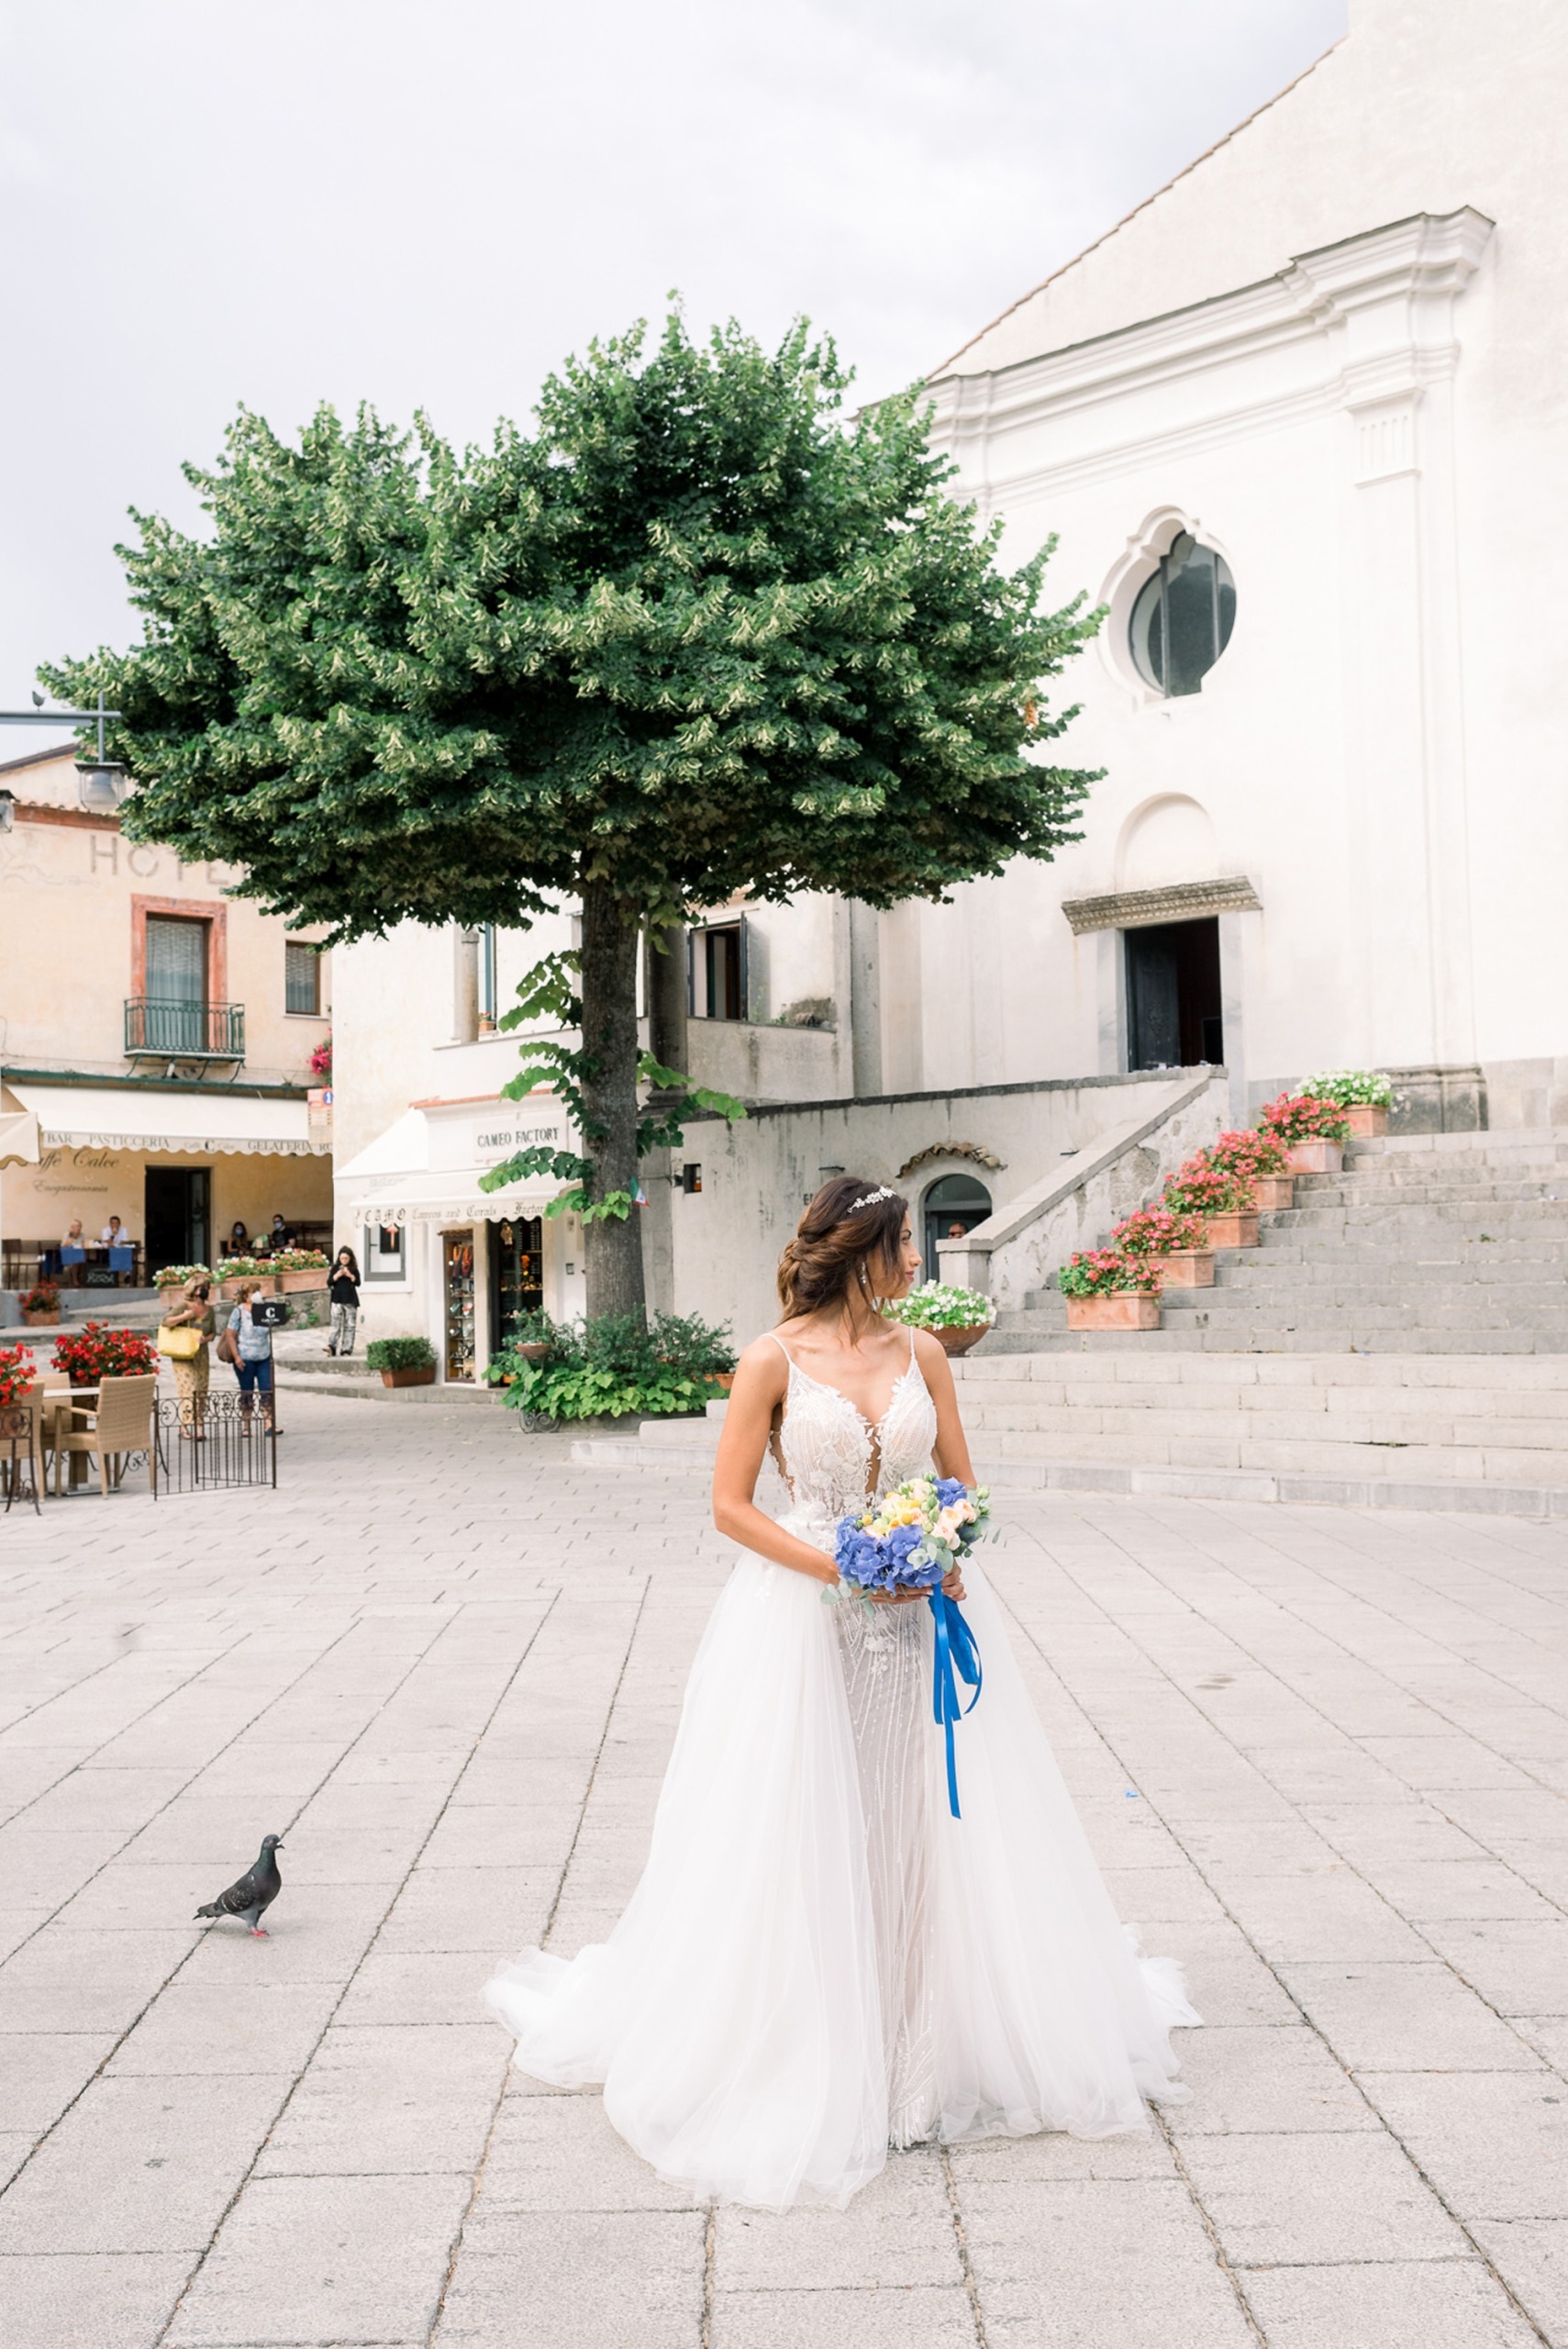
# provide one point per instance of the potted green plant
(237, 1273)
(957, 1317)
(176, 1275)
(1180, 1241)
(402, 1361)
(1313, 1132)
(1364, 1095)
(532, 1335)
(300, 1268)
(1221, 1196)
(40, 1306)
(1262, 1159)
(1106, 1289)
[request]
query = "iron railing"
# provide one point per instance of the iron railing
(216, 1442)
(183, 1031)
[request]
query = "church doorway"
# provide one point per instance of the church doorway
(953, 1207)
(1174, 1005)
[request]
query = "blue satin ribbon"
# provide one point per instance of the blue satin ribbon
(954, 1657)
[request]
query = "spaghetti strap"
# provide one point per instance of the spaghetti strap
(790, 1358)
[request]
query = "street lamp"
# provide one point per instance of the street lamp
(102, 779)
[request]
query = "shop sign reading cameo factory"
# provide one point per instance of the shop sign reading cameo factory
(507, 1139)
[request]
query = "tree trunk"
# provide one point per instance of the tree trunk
(614, 1249)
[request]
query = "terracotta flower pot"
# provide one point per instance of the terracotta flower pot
(1120, 1309)
(291, 1283)
(425, 1377)
(1233, 1231)
(725, 1378)
(1316, 1157)
(958, 1342)
(41, 1321)
(1188, 1268)
(1367, 1119)
(535, 1350)
(1274, 1192)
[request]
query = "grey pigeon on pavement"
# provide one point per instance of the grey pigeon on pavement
(256, 1889)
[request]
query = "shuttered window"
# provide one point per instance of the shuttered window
(176, 960)
(302, 978)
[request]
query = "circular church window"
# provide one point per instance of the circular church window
(1183, 616)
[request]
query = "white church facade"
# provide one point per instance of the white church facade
(1300, 424)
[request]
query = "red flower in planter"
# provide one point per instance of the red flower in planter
(1108, 1272)
(1155, 1231)
(1250, 1154)
(17, 1369)
(94, 1353)
(1301, 1117)
(1200, 1187)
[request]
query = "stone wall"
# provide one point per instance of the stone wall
(715, 1252)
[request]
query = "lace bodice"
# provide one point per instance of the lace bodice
(833, 1458)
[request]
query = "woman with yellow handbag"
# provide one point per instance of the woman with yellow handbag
(184, 1341)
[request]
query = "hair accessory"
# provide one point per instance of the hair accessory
(871, 1200)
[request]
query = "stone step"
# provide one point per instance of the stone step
(1312, 1487)
(1188, 1334)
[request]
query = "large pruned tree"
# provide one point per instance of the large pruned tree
(695, 635)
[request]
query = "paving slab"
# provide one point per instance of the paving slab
(1321, 1753)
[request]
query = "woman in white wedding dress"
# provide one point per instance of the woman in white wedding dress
(819, 1961)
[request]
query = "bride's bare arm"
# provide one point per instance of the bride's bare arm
(761, 1381)
(951, 1450)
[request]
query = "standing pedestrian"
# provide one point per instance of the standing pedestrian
(192, 1370)
(343, 1288)
(253, 1356)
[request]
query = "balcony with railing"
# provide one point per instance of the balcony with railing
(183, 1031)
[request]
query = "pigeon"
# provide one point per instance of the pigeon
(256, 1890)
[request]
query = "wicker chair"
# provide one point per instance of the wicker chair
(122, 1423)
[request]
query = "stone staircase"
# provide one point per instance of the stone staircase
(1400, 1339)
(1426, 1244)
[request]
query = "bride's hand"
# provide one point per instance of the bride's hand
(896, 1598)
(953, 1582)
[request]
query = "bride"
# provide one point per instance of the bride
(819, 1961)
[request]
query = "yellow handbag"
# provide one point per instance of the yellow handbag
(179, 1344)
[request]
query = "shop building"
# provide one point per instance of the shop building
(155, 1048)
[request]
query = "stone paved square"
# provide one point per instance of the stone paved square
(1322, 1755)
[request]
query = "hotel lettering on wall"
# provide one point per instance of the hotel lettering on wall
(106, 849)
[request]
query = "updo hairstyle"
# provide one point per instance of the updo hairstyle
(837, 1252)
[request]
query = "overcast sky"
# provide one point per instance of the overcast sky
(427, 204)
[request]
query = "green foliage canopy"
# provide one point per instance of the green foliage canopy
(697, 634)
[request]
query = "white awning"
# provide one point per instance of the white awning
(87, 1116)
(450, 1198)
(19, 1139)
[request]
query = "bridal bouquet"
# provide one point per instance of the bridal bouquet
(910, 1540)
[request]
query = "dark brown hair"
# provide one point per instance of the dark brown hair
(838, 1249)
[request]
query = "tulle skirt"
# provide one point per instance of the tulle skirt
(819, 1960)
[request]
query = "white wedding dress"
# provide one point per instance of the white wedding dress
(819, 1961)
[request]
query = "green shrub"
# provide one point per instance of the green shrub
(615, 1367)
(400, 1353)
